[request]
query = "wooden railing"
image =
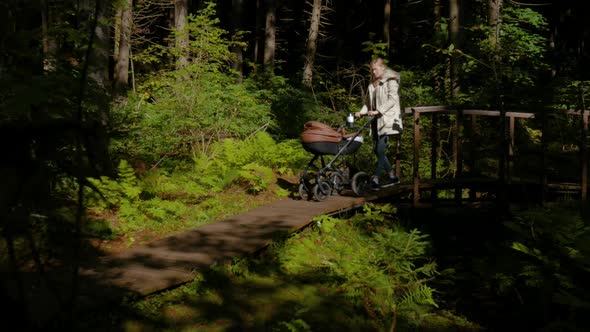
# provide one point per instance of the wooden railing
(506, 159)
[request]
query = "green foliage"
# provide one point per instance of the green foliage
(291, 106)
(183, 118)
(514, 62)
(295, 325)
(257, 178)
(124, 195)
(108, 193)
(181, 183)
(208, 48)
(572, 94)
(553, 243)
(522, 41)
(177, 114)
(251, 161)
(164, 199)
(521, 45)
(324, 224)
(382, 267)
(209, 45)
(415, 89)
(375, 49)
(339, 277)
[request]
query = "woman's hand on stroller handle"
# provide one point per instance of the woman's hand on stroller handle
(368, 113)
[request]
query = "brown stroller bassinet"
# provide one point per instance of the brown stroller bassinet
(320, 139)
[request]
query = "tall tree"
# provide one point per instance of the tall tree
(99, 96)
(438, 75)
(387, 24)
(259, 33)
(49, 42)
(312, 39)
(238, 63)
(270, 35)
(495, 20)
(121, 74)
(456, 41)
(437, 10)
(181, 32)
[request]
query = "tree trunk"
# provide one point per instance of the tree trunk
(270, 36)
(259, 42)
(49, 43)
(387, 24)
(99, 95)
(311, 47)
(437, 10)
(439, 76)
(495, 20)
(181, 32)
(122, 65)
(456, 40)
(238, 63)
(93, 118)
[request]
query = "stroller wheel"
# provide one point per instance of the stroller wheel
(360, 184)
(304, 192)
(321, 191)
(337, 181)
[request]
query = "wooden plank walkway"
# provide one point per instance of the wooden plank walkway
(173, 260)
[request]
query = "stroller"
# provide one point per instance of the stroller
(319, 182)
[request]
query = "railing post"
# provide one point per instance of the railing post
(510, 152)
(434, 153)
(416, 191)
(544, 117)
(584, 152)
(458, 155)
(398, 166)
(473, 138)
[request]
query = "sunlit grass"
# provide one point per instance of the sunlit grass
(265, 293)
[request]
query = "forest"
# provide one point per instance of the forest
(123, 121)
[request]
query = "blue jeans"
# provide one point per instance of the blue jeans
(380, 149)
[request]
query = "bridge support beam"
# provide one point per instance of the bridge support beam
(416, 189)
(584, 152)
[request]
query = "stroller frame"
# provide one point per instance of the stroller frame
(333, 177)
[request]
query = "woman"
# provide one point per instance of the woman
(383, 104)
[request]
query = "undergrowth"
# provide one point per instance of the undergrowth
(366, 273)
(162, 200)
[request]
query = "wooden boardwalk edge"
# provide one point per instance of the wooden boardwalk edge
(173, 260)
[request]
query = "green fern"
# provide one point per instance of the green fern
(257, 178)
(554, 252)
(295, 325)
(385, 270)
(107, 192)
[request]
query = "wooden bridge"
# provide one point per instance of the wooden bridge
(466, 133)
(173, 260)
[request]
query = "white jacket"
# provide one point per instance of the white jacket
(384, 98)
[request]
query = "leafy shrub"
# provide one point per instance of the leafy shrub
(108, 193)
(552, 263)
(256, 177)
(176, 114)
(385, 270)
(124, 195)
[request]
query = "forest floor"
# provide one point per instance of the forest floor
(258, 297)
(232, 196)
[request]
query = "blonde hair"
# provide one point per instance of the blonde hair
(378, 62)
